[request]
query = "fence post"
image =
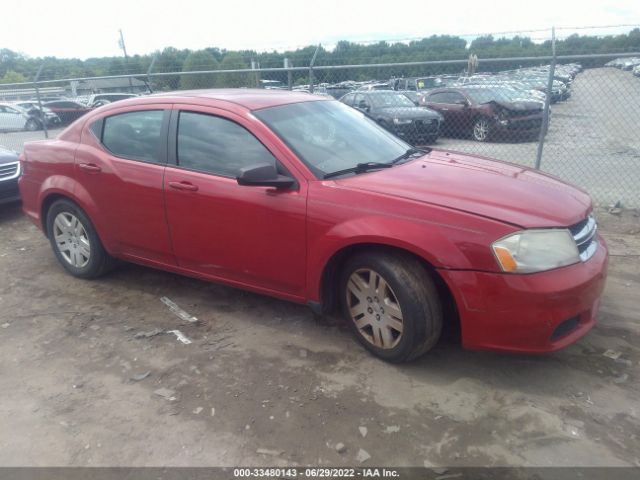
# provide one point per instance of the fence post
(288, 65)
(43, 115)
(545, 117)
(153, 62)
(256, 66)
(313, 61)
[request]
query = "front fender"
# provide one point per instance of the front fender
(435, 244)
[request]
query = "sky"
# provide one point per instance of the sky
(88, 28)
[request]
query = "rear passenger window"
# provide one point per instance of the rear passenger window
(134, 135)
(215, 145)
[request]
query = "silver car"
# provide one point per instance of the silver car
(14, 118)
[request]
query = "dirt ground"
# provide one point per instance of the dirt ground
(265, 383)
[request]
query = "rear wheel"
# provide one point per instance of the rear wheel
(31, 125)
(75, 242)
(391, 305)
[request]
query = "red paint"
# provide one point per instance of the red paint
(445, 207)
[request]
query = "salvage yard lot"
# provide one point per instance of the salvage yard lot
(593, 139)
(265, 383)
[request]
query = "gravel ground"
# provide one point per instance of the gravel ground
(89, 378)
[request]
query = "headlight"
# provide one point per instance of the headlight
(531, 251)
(402, 121)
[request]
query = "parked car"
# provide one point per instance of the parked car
(67, 110)
(99, 99)
(485, 113)
(423, 84)
(9, 174)
(303, 198)
(40, 115)
(398, 114)
(636, 71)
(14, 118)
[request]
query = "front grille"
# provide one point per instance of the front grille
(584, 234)
(425, 126)
(9, 171)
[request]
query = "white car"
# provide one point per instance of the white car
(15, 118)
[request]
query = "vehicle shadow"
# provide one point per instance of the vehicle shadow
(10, 211)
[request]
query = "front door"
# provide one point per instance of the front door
(249, 236)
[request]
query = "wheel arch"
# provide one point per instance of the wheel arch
(80, 197)
(329, 282)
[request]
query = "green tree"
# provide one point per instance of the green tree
(199, 61)
(12, 76)
(233, 61)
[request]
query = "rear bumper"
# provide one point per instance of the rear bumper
(534, 313)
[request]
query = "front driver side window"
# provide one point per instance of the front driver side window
(211, 144)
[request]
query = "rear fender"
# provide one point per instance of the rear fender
(70, 188)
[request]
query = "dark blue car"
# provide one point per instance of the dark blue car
(9, 173)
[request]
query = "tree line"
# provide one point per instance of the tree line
(17, 67)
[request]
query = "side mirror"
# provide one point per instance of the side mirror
(263, 175)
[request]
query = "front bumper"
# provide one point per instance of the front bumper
(535, 313)
(9, 191)
(418, 130)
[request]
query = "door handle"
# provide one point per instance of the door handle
(184, 186)
(90, 167)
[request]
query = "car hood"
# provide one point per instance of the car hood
(408, 112)
(502, 191)
(7, 156)
(520, 105)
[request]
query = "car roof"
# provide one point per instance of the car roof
(251, 99)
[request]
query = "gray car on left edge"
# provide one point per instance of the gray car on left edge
(9, 174)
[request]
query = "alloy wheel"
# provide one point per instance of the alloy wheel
(374, 308)
(71, 239)
(481, 129)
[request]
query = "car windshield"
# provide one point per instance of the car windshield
(486, 95)
(329, 136)
(390, 99)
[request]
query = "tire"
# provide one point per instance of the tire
(75, 242)
(31, 125)
(481, 130)
(397, 322)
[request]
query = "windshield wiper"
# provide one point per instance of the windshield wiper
(365, 167)
(359, 168)
(410, 153)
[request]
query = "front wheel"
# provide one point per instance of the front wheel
(75, 241)
(481, 129)
(391, 305)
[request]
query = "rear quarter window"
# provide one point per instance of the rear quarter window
(132, 135)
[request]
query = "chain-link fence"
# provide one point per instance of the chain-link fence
(573, 116)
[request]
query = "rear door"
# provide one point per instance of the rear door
(250, 236)
(120, 164)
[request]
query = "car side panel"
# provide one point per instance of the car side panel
(47, 168)
(339, 218)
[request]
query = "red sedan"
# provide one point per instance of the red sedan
(303, 198)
